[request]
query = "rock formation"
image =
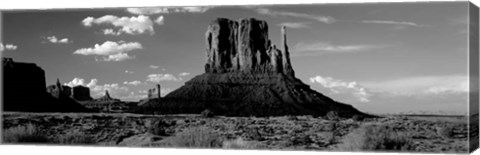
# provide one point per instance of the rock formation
(81, 93)
(107, 98)
(244, 47)
(245, 75)
(58, 89)
(154, 92)
(24, 90)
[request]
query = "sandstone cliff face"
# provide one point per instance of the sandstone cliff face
(245, 75)
(243, 46)
(24, 90)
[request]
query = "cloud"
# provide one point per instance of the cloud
(111, 32)
(160, 20)
(81, 82)
(342, 87)
(129, 72)
(9, 47)
(129, 25)
(323, 19)
(184, 74)
(399, 23)
(166, 10)
(97, 90)
(134, 83)
(55, 40)
(162, 77)
(111, 51)
(295, 25)
(319, 48)
(153, 67)
(422, 85)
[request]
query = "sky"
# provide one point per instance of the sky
(380, 58)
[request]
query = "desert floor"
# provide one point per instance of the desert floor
(388, 133)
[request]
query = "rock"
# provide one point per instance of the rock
(107, 98)
(246, 76)
(243, 46)
(81, 93)
(154, 92)
(58, 89)
(25, 90)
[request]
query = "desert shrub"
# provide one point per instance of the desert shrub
(239, 143)
(328, 138)
(196, 137)
(75, 137)
(332, 115)
(376, 137)
(207, 113)
(157, 127)
(358, 117)
(446, 131)
(24, 134)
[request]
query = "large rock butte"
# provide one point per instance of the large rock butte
(24, 89)
(245, 75)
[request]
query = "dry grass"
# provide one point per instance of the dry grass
(376, 138)
(75, 138)
(196, 137)
(239, 143)
(24, 134)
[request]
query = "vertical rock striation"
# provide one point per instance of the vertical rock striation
(243, 46)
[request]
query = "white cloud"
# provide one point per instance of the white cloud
(55, 40)
(133, 97)
(160, 20)
(324, 19)
(79, 81)
(111, 51)
(319, 48)
(135, 83)
(98, 90)
(129, 72)
(118, 57)
(400, 23)
(153, 67)
(129, 25)
(295, 25)
(426, 85)
(165, 10)
(184, 74)
(342, 87)
(162, 77)
(111, 32)
(9, 47)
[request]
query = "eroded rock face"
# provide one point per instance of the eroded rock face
(244, 46)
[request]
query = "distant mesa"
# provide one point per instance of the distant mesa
(81, 93)
(107, 98)
(246, 75)
(24, 90)
(78, 93)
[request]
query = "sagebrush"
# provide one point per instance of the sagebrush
(377, 137)
(28, 133)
